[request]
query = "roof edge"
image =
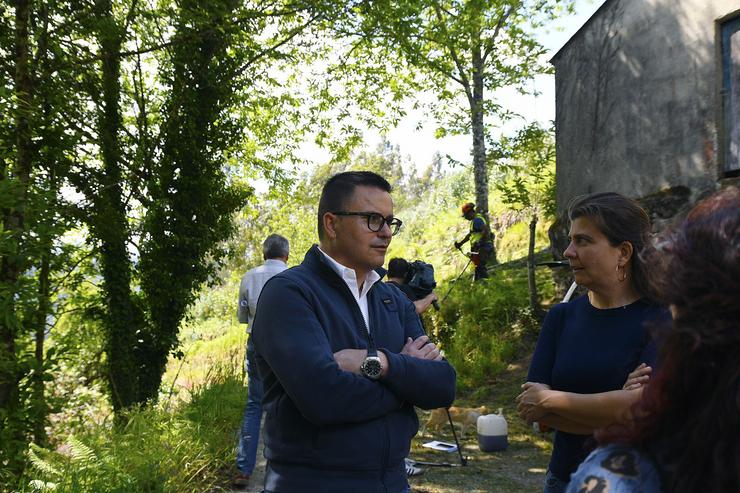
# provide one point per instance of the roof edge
(581, 29)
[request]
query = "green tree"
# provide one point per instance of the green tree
(526, 167)
(109, 222)
(168, 183)
(468, 49)
(36, 147)
(15, 179)
(191, 199)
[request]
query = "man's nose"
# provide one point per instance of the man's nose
(385, 231)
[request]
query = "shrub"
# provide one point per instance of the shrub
(483, 326)
(156, 451)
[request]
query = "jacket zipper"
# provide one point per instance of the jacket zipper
(356, 308)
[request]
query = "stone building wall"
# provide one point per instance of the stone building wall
(638, 99)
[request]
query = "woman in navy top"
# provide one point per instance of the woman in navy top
(686, 434)
(588, 347)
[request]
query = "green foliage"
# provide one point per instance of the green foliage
(466, 50)
(514, 241)
(159, 450)
(525, 170)
(483, 326)
(463, 47)
(77, 394)
(205, 344)
(216, 302)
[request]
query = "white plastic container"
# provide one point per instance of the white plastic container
(493, 432)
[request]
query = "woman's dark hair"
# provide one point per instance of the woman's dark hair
(620, 219)
(340, 188)
(689, 415)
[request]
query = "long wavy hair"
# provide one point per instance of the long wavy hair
(689, 414)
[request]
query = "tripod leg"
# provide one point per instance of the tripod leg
(463, 460)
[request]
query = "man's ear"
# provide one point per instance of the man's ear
(330, 224)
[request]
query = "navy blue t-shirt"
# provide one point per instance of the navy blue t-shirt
(587, 350)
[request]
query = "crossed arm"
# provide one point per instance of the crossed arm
(417, 374)
(290, 339)
(351, 359)
(582, 413)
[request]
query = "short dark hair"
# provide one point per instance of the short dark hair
(620, 219)
(275, 246)
(340, 188)
(398, 267)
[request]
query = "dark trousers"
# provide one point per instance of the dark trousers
(484, 254)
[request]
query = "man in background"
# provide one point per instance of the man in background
(481, 239)
(398, 275)
(275, 250)
(398, 271)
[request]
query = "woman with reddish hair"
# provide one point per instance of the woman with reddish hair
(685, 436)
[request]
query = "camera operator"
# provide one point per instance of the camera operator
(398, 275)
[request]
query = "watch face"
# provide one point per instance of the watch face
(371, 367)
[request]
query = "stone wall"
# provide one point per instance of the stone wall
(637, 99)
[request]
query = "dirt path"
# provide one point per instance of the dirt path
(521, 468)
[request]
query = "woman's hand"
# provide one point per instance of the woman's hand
(638, 377)
(531, 401)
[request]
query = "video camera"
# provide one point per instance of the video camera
(420, 278)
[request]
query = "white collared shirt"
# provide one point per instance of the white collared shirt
(251, 287)
(349, 276)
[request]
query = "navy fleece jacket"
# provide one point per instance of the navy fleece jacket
(322, 422)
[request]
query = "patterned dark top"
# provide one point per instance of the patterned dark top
(616, 469)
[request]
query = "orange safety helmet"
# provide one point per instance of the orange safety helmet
(468, 208)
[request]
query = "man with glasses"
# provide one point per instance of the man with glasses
(343, 357)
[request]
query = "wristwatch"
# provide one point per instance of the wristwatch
(371, 367)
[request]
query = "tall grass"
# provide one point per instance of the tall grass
(483, 326)
(183, 449)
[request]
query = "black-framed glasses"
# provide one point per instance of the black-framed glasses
(375, 221)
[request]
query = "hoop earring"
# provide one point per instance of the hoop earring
(624, 276)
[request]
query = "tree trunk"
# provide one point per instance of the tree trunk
(111, 224)
(479, 142)
(477, 112)
(534, 304)
(42, 310)
(39, 408)
(12, 264)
